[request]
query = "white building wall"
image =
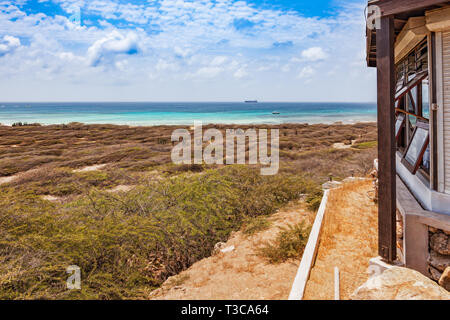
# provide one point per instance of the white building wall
(445, 112)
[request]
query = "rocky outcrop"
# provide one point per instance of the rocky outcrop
(438, 261)
(435, 274)
(439, 255)
(440, 242)
(399, 283)
(444, 281)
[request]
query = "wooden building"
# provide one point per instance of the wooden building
(408, 41)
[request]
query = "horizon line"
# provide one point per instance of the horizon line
(187, 101)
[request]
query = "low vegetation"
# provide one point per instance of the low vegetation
(289, 244)
(128, 243)
(255, 225)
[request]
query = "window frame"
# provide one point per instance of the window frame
(413, 168)
(401, 116)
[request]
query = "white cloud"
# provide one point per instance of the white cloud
(314, 54)
(163, 65)
(307, 72)
(218, 61)
(182, 52)
(113, 44)
(240, 73)
(182, 40)
(209, 72)
(8, 44)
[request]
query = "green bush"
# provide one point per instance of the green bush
(289, 244)
(314, 199)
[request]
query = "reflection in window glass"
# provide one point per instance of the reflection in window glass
(416, 146)
(411, 107)
(412, 121)
(425, 100)
(426, 159)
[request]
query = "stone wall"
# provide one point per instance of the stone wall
(439, 254)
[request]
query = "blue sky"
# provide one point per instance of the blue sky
(183, 50)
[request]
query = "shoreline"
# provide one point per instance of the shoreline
(134, 125)
(180, 114)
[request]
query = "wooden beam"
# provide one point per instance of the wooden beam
(387, 245)
(411, 35)
(390, 7)
(438, 20)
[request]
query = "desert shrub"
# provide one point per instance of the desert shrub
(175, 169)
(128, 244)
(314, 199)
(289, 244)
(10, 166)
(366, 145)
(255, 225)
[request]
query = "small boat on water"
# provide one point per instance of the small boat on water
(275, 112)
(251, 101)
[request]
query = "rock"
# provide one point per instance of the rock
(438, 261)
(331, 185)
(353, 179)
(227, 249)
(440, 242)
(435, 274)
(444, 281)
(399, 283)
(218, 247)
(433, 230)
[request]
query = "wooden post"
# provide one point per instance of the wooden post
(432, 80)
(386, 140)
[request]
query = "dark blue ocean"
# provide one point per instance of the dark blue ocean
(180, 113)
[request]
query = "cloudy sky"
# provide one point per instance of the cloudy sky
(183, 50)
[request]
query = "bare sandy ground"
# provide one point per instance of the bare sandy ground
(91, 168)
(4, 180)
(121, 188)
(239, 274)
(9, 179)
(348, 241)
(341, 145)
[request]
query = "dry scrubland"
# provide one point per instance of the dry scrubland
(244, 274)
(128, 243)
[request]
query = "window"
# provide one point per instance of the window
(413, 110)
(414, 155)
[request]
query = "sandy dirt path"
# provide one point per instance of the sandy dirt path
(348, 241)
(240, 274)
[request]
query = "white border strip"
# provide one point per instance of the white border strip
(299, 285)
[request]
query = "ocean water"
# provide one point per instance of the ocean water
(164, 113)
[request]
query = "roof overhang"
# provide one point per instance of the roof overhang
(402, 11)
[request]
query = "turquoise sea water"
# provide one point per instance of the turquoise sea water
(154, 113)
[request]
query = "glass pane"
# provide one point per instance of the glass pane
(414, 96)
(412, 121)
(425, 100)
(416, 146)
(398, 125)
(426, 159)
